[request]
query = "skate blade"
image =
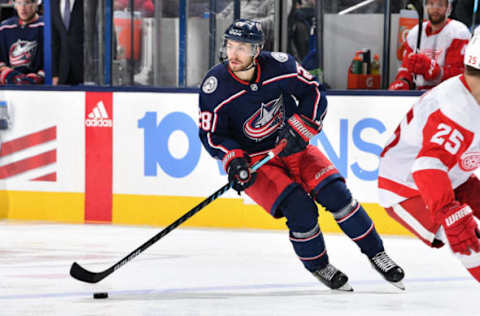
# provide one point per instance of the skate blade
(399, 285)
(345, 288)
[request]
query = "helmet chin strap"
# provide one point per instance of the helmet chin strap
(250, 66)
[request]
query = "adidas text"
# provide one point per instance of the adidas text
(98, 123)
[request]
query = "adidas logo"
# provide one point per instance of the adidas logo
(98, 117)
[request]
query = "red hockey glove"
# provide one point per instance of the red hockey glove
(297, 132)
(460, 227)
(399, 84)
(237, 164)
(421, 64)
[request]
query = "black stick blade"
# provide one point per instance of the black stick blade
(418, 4)
(81, 274)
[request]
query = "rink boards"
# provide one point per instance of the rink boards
(135, 158)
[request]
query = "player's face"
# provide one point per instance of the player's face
(26, 9)
(239, 55)
(437, 10)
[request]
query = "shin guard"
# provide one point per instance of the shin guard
(351, 217)
(310, 248)
(305, 234)
(356, 223)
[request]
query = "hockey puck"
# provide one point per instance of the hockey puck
(100, 295)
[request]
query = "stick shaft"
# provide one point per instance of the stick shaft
(474, 13)
(81, 274)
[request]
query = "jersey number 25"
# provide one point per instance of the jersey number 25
(450, 138)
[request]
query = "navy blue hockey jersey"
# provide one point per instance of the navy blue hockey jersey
(21, 47)
(235, 114)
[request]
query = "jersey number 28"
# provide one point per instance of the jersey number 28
(205, 121)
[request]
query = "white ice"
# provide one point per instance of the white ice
(215, 272)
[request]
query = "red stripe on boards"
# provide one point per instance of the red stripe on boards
(27, 164)
(48, 177)
(98, 156)
(24, 142)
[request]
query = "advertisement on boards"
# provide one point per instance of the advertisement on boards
(42, 148)
(158, 150)
(136, 158)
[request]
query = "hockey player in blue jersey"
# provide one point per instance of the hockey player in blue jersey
(251, 102)
(21, 45)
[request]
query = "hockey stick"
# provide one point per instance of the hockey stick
(475, 8)
(417, 6)
(81, 274)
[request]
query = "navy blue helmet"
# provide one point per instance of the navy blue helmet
(244, 30)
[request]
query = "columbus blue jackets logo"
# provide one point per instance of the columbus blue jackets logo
(265, 120)
(22, 53)
(249, 24)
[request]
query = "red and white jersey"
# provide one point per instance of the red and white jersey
(446, 47)
(440, 135)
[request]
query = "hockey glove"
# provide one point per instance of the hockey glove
(236, 163)
(399, 84)
(421, 64)
(460, 227)
(297, 132)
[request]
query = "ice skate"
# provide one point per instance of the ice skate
(388, 269)
(333, 278)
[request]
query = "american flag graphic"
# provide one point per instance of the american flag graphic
(31, 155)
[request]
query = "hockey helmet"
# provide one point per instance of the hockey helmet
(37, 2)
(472, 51)
(245, 30)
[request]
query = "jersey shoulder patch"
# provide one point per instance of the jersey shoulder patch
(279, 56)
(210, 85)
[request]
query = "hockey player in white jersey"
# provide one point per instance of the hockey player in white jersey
(426, 180)
(441, 52)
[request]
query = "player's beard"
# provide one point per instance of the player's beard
(29, 18)
(438, 19)
(240, 66)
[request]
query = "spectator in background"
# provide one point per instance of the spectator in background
(21, 45)
(441, 51)
(301, 21)
(262, 11)
(144, 6)
(67, 41)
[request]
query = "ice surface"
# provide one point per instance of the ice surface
(215, 272)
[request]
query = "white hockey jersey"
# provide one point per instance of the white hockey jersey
(446, 47)
(440, 133)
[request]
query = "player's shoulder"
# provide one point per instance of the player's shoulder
(412, 33)
(37, 23)
(277, 62)
(9, 23)
(457, 29)
(453, 98)
(448, 94)
(214, 84)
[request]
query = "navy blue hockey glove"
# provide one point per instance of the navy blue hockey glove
(297, 132)
(237, 163)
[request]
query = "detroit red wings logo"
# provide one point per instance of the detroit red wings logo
(265, 120)
(470, 161)
(22, 52)
(432, 53)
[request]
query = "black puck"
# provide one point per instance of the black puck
(100, 295)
